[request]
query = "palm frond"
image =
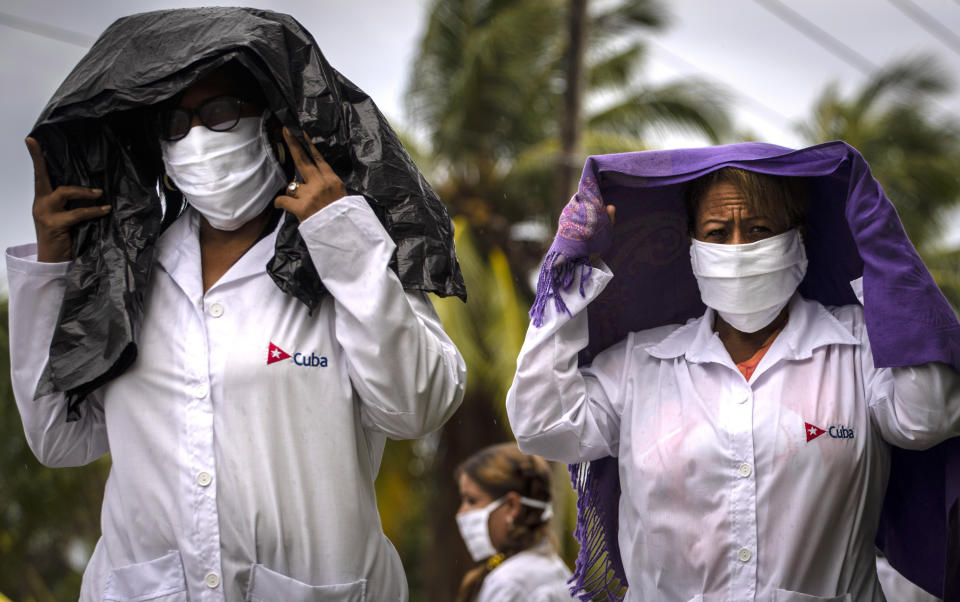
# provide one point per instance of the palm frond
(489, 330)
(628, 16)
(915, 157)
(690, 106)
(612, 69)
(911, 79)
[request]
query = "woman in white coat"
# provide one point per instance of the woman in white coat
(752, 444)
(247, 427)
(504, 520)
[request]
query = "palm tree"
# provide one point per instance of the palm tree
(487, 92)
(488, 331)
(913, 149)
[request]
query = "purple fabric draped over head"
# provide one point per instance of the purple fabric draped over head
(852, 231)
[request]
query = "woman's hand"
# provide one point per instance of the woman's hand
(320, 185)
(585, 225)
(50, 217)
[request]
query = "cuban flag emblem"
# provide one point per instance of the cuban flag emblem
(275, 354)
(813, 431)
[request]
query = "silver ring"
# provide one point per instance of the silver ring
(292, 186)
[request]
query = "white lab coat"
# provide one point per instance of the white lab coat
(234, 475)
(533, 575)
(766, 490)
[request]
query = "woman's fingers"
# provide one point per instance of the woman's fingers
(73, 217)
(55, 202)
(50, 216)
(302, 160)
(318, 159)
(611, 213)
(321, 185)
(41, 180)
(304, 163)
(75, 193)
(287, 203)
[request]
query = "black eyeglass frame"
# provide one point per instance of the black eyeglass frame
(166, 115)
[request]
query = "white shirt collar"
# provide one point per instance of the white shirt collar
(178, 253)
(810, 326)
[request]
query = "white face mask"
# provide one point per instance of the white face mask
(748, 285)
(475, 529)
(229, 177)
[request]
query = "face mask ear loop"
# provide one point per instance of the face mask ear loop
(547, 513)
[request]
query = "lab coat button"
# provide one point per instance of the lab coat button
(216, 310)
(204, 478)
(212, 580)
(745, 470)
(744, 555)
(745, 398)
(200, 391)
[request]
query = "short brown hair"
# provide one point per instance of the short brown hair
(776, 196)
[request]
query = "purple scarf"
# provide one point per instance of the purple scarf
(852, 231)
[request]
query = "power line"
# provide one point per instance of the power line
(827, 41)
(818, 35)
(929, 22)
(47, 31)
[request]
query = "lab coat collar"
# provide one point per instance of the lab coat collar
(178, 253)
(810, 326)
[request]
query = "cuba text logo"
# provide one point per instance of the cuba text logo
(275, 354)
(836, 431)
(840, 432)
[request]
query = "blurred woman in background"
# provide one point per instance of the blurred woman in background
(503, 517)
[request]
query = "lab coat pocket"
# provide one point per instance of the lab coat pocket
(782, 595)
(157, 580)
(271, 586)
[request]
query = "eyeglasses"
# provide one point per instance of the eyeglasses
(218, 114)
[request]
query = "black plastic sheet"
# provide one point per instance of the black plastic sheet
(97, 131)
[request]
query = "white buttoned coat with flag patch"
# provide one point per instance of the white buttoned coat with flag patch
(239, 473)
(728, 492)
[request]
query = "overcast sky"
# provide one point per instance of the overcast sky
(767, 58)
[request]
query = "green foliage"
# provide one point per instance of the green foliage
(944, 266)
(47, 516)
(912, 148)
(416, 492)
(487, 89)
(488, 330)
(486, 93)
(401, 496)
(913, 151)
(480, 74)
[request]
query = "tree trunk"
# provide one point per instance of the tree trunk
(474, 426)
(569, 162)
